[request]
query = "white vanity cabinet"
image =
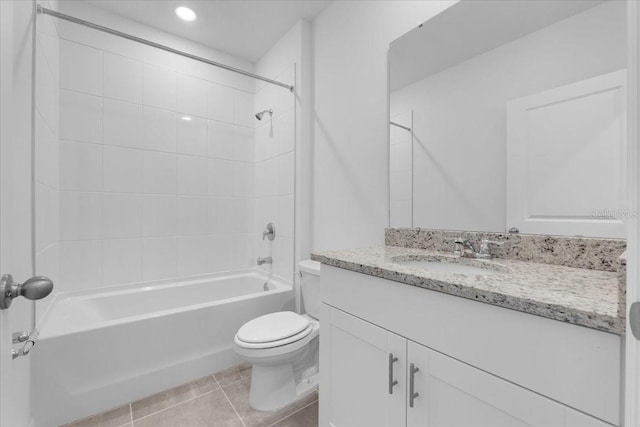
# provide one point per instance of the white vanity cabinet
(477, 365)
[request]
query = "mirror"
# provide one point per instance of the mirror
(512, 115)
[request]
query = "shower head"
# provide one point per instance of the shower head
(262, 113)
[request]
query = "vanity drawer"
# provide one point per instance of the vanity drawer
(577, 366)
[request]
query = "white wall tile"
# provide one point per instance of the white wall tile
(159, 215)
(159, 87)
(192, 135)
(285, 215)
(80, 265)
(47, 216)
(80, 215)
(122, 78)
(80, 117)
(159, 258)
(220, 137)
(193, 215)
(192, 95)
(243, 147)
(243, 212)
(222, 256)
(121, 261)
(220, 177)
(159, 172)
(220, 215)
(47, 91)
(220, 102)
(122, 170)
(80, 166)
(285, 177)
(286, 132)
(243, 113)
(121, 215)
(46, 154)
(267, 210)
(158, 129)
(80, 68)
(194, 254)
(243, 251)
(243, 177)
(192, 175)
(122, 122)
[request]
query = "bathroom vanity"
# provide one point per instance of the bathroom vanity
(526, 344)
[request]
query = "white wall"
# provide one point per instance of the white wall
(146, 194)
(460, 114)
(351, 133)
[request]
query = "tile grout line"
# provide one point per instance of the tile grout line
(172, 406)
(229, 400)
(293, 413)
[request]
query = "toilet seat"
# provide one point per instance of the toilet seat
(273, 327)
(280, 347)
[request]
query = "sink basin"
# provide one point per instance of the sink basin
(454, 265)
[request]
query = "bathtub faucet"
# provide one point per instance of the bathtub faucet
(267, 260)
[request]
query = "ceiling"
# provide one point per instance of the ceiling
(244, 28)
(469, 28)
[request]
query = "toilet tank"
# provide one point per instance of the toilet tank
(310, 286)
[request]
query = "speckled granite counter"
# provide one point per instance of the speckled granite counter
(579, 296)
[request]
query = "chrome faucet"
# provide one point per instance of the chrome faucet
(267, 260)
(269, 232)
(465, 249)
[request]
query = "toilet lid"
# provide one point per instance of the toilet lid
(272, 327)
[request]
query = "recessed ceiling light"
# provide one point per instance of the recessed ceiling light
(186, 118)
(185, 13)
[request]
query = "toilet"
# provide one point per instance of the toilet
(283, 348)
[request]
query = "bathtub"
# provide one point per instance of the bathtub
(101, 349)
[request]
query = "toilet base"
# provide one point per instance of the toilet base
(274, 387)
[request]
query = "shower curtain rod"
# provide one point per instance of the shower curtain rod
(400, 126)
(55, 14)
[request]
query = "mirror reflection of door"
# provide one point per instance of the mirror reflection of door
(459, 72)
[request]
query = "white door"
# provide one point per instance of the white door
(566, 159)
(451, 394)
(359, 364)
(16, 20)
(632, 356)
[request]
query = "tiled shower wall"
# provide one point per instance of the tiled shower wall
(156, 171)
(274, 171)
(46, 149)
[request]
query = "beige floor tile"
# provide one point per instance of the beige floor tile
(238, 394)
(113, 418)
(306, 417)
(173, 396)
(211, 409)
(233, 374)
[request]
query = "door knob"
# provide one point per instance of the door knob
(35, 288)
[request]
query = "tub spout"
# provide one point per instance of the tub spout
(266, 260)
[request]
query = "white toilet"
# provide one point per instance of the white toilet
(283, 348)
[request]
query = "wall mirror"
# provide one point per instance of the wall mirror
(511, 115)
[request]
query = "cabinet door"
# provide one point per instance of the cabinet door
(356, 373)
(453, 394)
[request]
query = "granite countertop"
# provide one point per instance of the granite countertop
(574, 295)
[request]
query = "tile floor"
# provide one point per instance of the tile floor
(221, 399)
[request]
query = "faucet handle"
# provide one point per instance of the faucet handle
(269, 232)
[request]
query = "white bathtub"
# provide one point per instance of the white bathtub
(100, 349)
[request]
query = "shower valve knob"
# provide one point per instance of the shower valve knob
(34, 288)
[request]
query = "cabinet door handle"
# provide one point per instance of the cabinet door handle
(392, 382)
(412, 374)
